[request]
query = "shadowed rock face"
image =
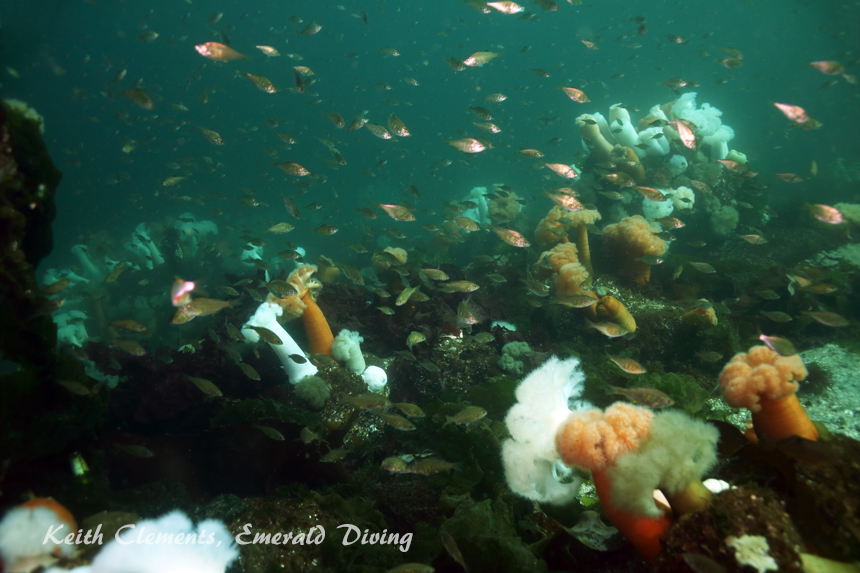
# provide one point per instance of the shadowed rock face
(28, 180)
(31, 408)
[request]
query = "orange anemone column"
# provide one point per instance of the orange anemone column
(319, 332)
(783, 418)
(642, 532)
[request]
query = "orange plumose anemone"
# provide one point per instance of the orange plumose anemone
(560, 255)
(631, 239)
(570, 279)
(630, 451)
(765, 383)
(570, 275)
(610, 309)
(554, 228)
(581, 219)
(293, 305)
(593, 440)
(550, 229)
(303, 304)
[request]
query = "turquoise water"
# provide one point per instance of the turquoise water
(67, 55)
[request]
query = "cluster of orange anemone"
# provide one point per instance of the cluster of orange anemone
(626, 241)
(554, 228)
(571, 277)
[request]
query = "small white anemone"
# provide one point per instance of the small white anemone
(375, 378)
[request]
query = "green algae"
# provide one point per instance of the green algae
(687, 391)
(485, 534)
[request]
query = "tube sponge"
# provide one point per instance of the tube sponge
(543, 404)
(136, 247)
(621, 127)
(719, 142)
(656, 141)
(347, 348)
(71, 332)
(679, 452)
(192, 230)
(480, 213)
(504, 207)
(591, 133)
(267, 316)
(90, 269)
(142, 234)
